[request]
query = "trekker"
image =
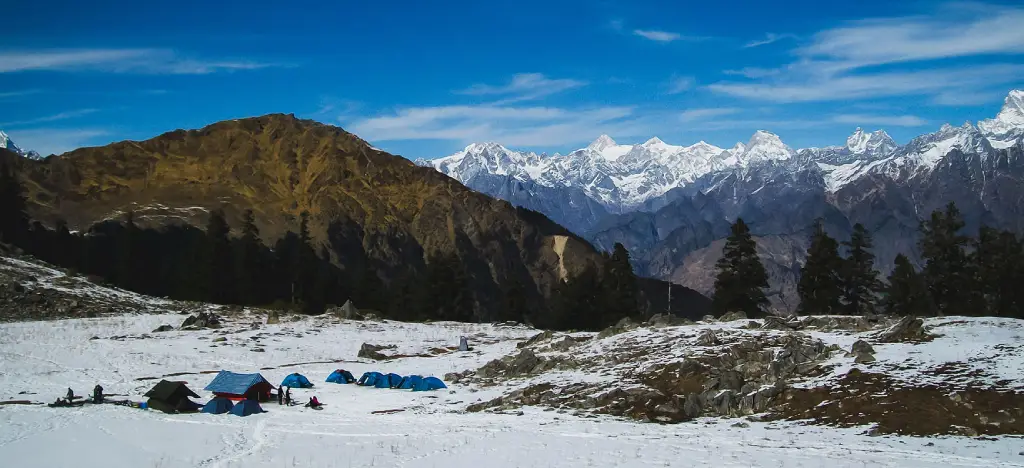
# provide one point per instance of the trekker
(288, 396)
(280, 395)
(97, 394)
(71, 395)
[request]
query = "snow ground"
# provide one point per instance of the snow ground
(44, 358)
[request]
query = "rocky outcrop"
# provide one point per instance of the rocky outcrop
(907, 329)
(371, 351)
(200, 321)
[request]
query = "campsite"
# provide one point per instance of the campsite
(366, 425)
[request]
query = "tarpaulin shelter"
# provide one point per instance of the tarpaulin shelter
(171, 397)
(240, 386)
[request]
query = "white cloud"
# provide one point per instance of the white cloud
(846, 62)
(50, 118)
(691, 115)
(769, 38)
(807, 86)
(24, 92)
(524, 87)
(522, 126)
(56, 140)
(680, 84)
(894, 120)
(145, 61)
(660, 36)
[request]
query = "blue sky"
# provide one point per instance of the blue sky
(423, 79)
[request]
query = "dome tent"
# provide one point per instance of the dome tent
(341, 376)
(246, 407)
(296, 381)
(429, 383)
(218, 405)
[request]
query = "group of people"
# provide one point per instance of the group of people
(70, 397)
(284, 397)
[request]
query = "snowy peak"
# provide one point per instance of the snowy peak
(877, 143)
(765, 146)
(601, 143)
(6, 142)
(1013, 107)
(605, 146)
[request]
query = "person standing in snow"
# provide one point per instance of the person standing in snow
(97, 394)
(71, 395)
(280, 395)
(288, 396)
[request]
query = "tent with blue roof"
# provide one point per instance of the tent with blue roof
(369, 378)
(296, 381)
(240, 386)
(427, 384)
(394, 380)
(218, 405)
(246, 407)
(341, 376)
(409, 382)
(383, 381)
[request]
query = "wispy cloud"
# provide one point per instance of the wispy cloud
(769, 38)
(15, 94)
(521, 126)
(50, 118)
(48, 141)
(876, 58)
(680, 84)
(659, 36)
(523, 87)
(616, 24)
(144, 61)
(692, 115)
(891, 120)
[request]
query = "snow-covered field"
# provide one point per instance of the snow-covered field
(44, 358)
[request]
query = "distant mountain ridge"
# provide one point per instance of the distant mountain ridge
(670, 205)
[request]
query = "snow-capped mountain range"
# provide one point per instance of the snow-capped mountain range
(6, 142)
(623, 177)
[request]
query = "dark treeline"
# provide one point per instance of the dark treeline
(961, 275)
(225, 266)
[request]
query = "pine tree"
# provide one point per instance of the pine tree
(14, 221)
(948, 271)
(622, 290)
(906, 293)
(860, 279)
(250, 263)
(741, 279)
(222, 282)
(820, 285)
(999, 260)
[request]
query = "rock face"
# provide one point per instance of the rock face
(907, 329)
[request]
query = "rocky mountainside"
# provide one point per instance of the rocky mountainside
(684, 199)
(367, 206)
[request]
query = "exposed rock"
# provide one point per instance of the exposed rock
(862, 347)
(864, 358)
(546, 335)
(563, 344)
(370, 351)
(733, 316)
(708, 318)
(907, 329)
(707, 338)
(219, 339)
(773, 322)
(200, 321)
(667, 320)
(624, 325)
(163, 328)
(741, 425)
(273, 318)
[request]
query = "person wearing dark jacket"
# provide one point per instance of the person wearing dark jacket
(97, 394)
(280, 395)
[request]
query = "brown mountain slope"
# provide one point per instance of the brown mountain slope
(366, 205)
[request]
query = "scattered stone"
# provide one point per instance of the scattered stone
(708, 338)
(708, 318)
(546, 335)
(219, 339)
(773, 322)
(861, 346)
(907, 329)
(163, 328)
(370, 351)
(864, 358)
(258, 350)
(733, 316)
(667, 320)
(200, 321)
(741, 425)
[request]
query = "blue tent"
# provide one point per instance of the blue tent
(246, 407)
(296, 381)
(429, 383)
(394, 380)
(341, 376)
(409, 382)
(382, 381)
(370, 378)
(218, 405)
(240, 386)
